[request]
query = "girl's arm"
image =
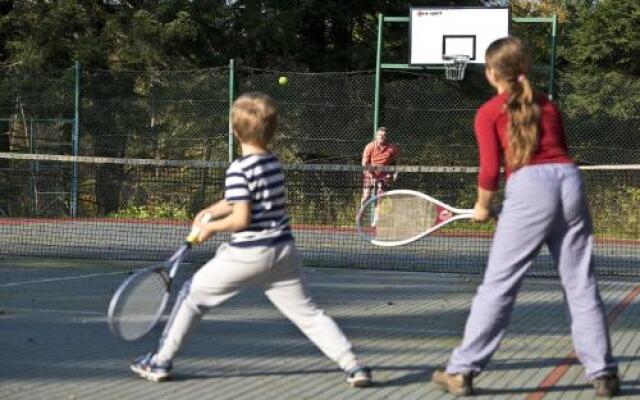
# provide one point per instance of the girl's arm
(482, 209)
(489, 156)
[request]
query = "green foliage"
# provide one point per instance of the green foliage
(328, 35)
(50, 35)
(149, 114)
(615, 211)
(324, 215)
(600, 86)
(610, 93)
(607, 37)
(601, 110)
(153, 211)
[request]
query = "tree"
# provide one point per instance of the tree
(607, 37)
(601, 81)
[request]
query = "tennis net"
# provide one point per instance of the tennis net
(115, 208)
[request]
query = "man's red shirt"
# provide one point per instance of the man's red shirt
(377, 154)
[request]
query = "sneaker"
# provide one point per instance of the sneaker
(147, 368)
(607, 385)
(456, 384)
(359, 377)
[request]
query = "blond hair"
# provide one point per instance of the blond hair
(254, 117)
(511, 61)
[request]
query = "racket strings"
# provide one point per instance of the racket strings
(402, 217)
(138, 306)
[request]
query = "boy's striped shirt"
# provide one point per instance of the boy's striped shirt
(259, 179)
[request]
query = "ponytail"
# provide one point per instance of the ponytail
(510, 59)
(524, 117)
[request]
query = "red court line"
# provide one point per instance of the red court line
(69, 220)
(563, 366)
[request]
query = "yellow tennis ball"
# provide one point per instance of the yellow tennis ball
(283, 80)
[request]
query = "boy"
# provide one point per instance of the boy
(261, 252)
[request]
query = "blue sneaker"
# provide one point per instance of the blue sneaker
(147, 368)
(359, 376)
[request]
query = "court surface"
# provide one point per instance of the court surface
(55, 343)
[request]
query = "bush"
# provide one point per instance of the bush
(152, 211)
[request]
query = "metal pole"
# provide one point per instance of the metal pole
(552, 62)
(75, 138)
(231, 98)
(376, 98)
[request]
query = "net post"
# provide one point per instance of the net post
(231, 97)
(75, 138)
(376, 98)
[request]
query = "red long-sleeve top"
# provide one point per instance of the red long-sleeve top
(492, 137)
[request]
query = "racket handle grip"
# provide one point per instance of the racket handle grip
(193, 235)
(495, 211)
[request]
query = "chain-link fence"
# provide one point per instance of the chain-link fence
(140, 209)
(36, 111)
(167, 115)
(130, 209)
(602, 117)
(324, 117)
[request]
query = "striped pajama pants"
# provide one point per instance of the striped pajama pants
(544, 204)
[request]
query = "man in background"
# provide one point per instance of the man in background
(378, 153)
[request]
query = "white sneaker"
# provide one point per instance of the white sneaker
(359, 376)
(147, 368)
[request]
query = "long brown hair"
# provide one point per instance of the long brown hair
(510, 59)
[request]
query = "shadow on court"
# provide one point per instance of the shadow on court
(55, 342)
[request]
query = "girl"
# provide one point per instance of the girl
(544, 204)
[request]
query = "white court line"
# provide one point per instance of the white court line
(24, 311)
(66, 278)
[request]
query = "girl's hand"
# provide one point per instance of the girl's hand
(481, 213)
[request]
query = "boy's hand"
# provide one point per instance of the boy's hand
(201, 225)
(204, 230)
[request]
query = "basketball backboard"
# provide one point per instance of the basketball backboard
(436, 33)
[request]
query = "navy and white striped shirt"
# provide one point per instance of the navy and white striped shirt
(259, 179)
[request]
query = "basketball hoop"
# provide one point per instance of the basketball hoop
(454, 66)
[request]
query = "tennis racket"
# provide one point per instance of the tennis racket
(139, 302)
(404, 216)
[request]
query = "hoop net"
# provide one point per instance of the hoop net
(454, 66)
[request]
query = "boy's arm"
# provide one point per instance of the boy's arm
(217, 210)
(237, 219)
(233, 212)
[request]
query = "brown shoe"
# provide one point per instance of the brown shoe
(456, 384)
(607, 386)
